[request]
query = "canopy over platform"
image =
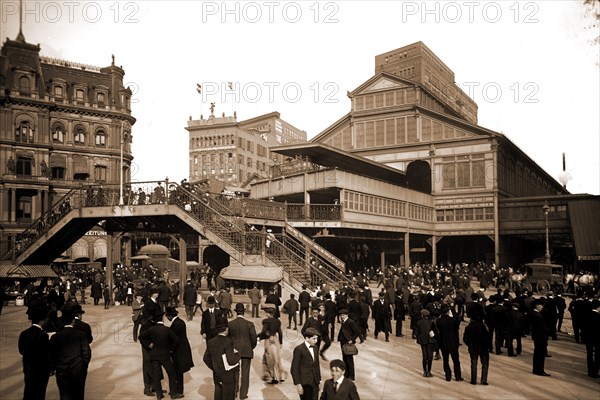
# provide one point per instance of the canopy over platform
(253, 274)
(26, 271)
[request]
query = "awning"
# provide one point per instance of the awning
(586, 230)
(58, 161)
(26, 271)
(141, 257)
(80, 165)
(253, 274)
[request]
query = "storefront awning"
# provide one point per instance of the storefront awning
(58, 161)
(586, 230)
(253, 274)
(26, 271)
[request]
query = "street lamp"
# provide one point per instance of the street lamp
(546, 208)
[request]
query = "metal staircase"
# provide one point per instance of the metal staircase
(302, 260)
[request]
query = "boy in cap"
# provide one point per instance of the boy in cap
(339, 388)
(305, 369)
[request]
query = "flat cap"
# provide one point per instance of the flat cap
(337, 363)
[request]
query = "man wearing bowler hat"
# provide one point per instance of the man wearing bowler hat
(339, 388)
(209, 319)
(539, 335)
(182, 356)
(161, 341)
(349, 331)
(243, 334)
(223, 359)
(79, 324)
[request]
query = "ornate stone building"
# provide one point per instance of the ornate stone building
(62, 124)
(235, 152)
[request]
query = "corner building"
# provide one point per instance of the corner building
(62, 125)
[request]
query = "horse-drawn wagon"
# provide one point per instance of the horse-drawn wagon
(541, 277)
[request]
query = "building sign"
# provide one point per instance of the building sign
(96, 233)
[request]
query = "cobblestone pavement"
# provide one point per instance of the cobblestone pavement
(384, 370)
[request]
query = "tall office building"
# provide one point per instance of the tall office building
(234, 153)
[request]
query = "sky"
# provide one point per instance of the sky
(531, 66)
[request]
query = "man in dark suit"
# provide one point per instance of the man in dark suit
(243, 334)
(209, 319)
(475, 337)
(349, 331)
(150, 311)
(34, 346)
(189, 299)
(539, 335)
(382, 315)
(161, 341)
(591, 337)
(70, 355)
(331, 312)
(448, 341)
(338, 388)
(164, 295)
(182, 356)
(80, 325)
(304, 300)
(305, 369)
(223, 359)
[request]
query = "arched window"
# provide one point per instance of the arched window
(24, 85)
(24, 132)
(79, 135)
(100, 138)
(58, 133)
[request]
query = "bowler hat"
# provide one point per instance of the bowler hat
(211, 300)
(221, 322)
(239, 308)
(157, 316)
(337, 363)
(171, 311)
(76, 308)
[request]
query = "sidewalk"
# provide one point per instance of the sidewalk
(383, 370)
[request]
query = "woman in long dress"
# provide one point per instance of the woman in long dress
(272, 338)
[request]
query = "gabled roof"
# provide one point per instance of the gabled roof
(382, 81)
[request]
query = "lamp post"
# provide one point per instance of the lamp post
(546, 208)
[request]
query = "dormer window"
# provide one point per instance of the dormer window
(58, 91)
(101, 97)
(101, 138)
(58, 133)
(24, 85)
(79, 95)
(79, 135)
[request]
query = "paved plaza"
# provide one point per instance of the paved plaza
(383, 370)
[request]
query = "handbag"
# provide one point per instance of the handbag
(349, 349)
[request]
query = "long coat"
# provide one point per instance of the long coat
(448, 338)
(182, 356)
(382, 314)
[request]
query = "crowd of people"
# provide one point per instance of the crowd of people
(436, 301)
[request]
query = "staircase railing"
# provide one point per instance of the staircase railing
(42, 225)
(299, 258)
